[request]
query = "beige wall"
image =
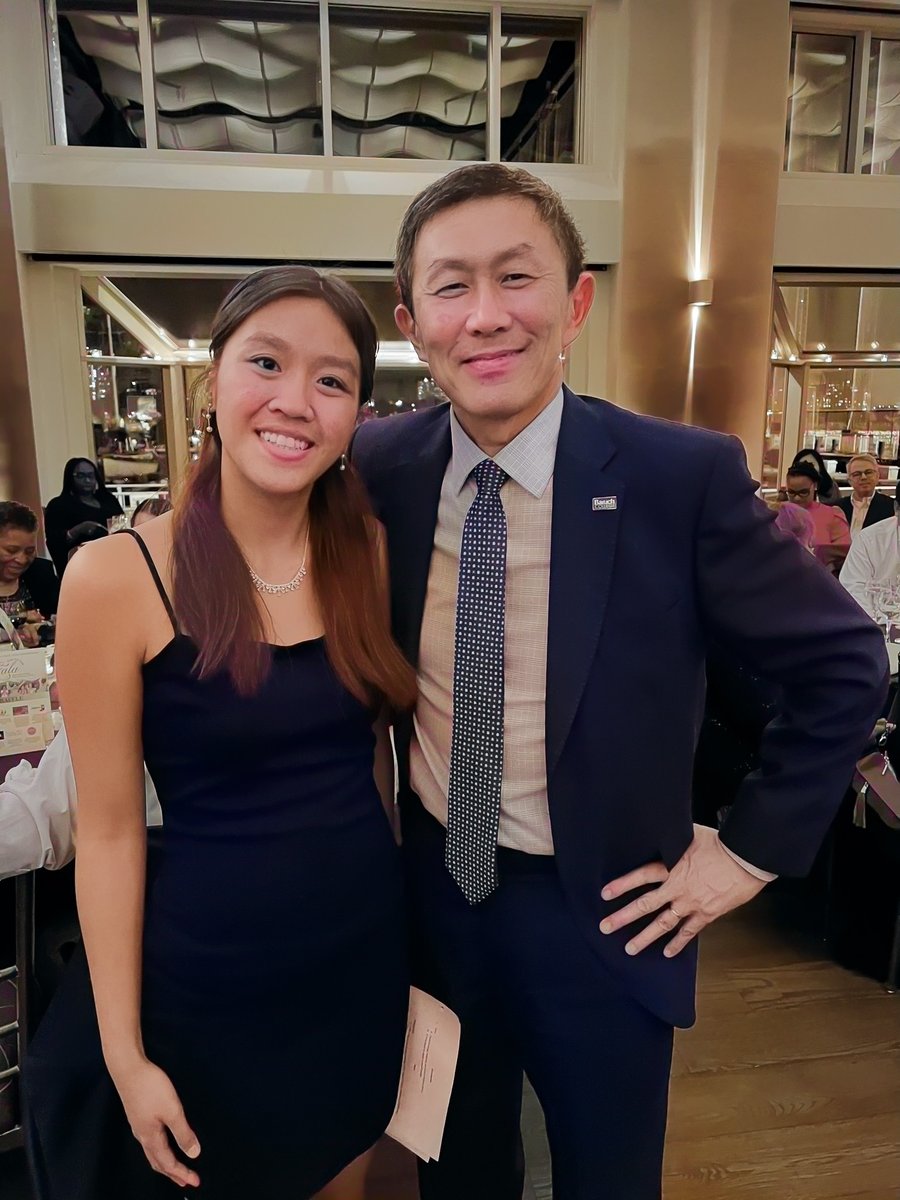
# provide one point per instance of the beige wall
(184, 221)
(703, 144)
(841, 221)
(684, 104)
(51, 297)
(18, 467)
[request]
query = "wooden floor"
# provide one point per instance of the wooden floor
(788, 1088)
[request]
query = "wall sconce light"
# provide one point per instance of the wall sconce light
(700, 292)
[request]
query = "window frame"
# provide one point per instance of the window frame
(584, 12)
(863, 26)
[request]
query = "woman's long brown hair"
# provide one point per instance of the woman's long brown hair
(214, 598)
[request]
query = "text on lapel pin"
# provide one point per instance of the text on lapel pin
(604, 503)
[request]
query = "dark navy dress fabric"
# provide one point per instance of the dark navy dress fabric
(275, 982)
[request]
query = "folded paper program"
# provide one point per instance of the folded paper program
(426, 1078)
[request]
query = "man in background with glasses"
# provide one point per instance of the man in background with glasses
(865, 505)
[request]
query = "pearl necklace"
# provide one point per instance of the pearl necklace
(280, 589)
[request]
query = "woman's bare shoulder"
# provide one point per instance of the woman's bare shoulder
(156, 535)
(112, 571)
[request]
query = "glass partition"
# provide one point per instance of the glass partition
(237, 76)
(127, 410)
(774, 428)
(881, 154)
(818, 120)
(100, 64)
(844, 318)
(540, 69)
(408, 84)
(853, 410)
(248, 76)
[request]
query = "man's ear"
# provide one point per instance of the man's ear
(406, 323)
(580, 300)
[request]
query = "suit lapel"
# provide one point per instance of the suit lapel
(587, 505)
(414, 499)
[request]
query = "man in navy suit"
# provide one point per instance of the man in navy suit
(557, 568)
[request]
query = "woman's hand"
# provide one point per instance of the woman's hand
(154, 1113)
(31, 639)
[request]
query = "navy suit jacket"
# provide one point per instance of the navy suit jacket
(880, 508)
(681, 553)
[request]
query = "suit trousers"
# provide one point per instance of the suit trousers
(533, 997)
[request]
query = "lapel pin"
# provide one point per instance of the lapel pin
(604, 503)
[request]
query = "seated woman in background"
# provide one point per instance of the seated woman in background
(241, 1010)
(831, 531)
(156, 506)
(83, 498)
(29, 589)
(827, 490)
(149, 509)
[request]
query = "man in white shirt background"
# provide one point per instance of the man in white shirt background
(864, 506)
(874, 559)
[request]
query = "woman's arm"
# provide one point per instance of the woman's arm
(98, 662)
(100, 650)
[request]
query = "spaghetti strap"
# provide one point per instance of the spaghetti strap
(156, 579)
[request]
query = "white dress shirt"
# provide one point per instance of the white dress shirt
(860, 510)
(37, 811)
(873, 559)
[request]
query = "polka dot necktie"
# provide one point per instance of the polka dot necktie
(476, 749)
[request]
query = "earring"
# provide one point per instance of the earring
(562, 356)
(343, 462)
(209, 417)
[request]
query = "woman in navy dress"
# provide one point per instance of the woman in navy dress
(242, 1002)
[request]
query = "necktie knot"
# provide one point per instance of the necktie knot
(489, 478)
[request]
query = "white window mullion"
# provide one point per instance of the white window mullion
(325, 77)
(859, 96)
(494, 85)
(148, 75)
(57, 96)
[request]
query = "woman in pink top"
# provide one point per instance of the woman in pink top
(831, 532)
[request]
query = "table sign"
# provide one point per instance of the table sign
(26, 718)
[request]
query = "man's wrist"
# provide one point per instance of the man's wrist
(756, 872)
